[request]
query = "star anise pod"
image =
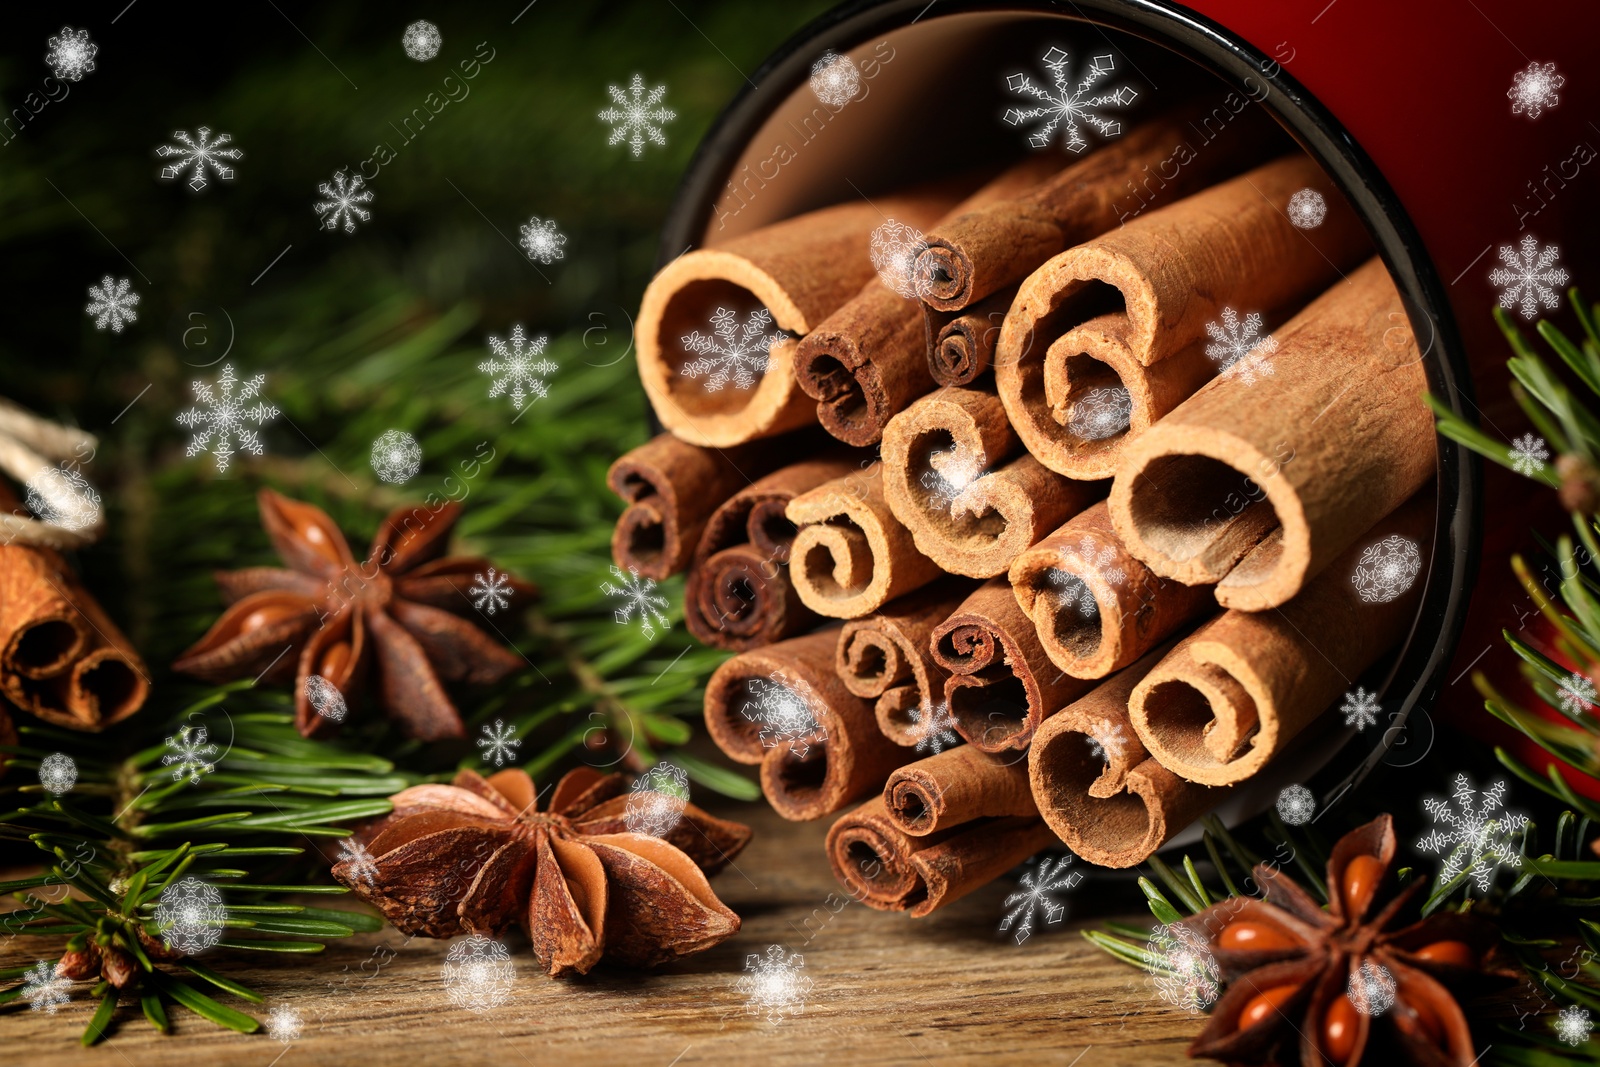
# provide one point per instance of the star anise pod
(478, 856)
(397, 615)
(1363, 980)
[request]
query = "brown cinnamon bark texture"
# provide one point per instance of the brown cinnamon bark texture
(1002, 685)
(961, 344)
(852, 555)
(738, 594)
(957, 786)
(1095, 607)
(1099, 789)
(1258, 484)
(1231, 695)
(956, 476)
(868, 360)
(887, 658)
(885, 868)
(1109, 336)
(784, 708)
(800, 271)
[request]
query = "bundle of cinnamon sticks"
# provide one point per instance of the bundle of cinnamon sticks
(1151, 490)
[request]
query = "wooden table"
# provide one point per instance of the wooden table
(885, 990)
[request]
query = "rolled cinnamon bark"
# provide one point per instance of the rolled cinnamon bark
(784, 708)
(799, 271)
(1231, 695)
(868, 360)
(950, 477)
(1109, 336)
(961, 344)
(1001, 684)
(1257, 486)
(852, 555)
(1095, 607)
(885, 868)
(886, 658)
(1099, 789)
(738, 594)
(954, 787)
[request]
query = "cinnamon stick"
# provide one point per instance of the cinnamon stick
(1257, 486)
(954, 787)
(1109, 336)
(961, 344)
(1094, 605)
(1002, 685)
(886, 658)
(1231, 695)
(1099, 789)
(784, 708)
(955, 475)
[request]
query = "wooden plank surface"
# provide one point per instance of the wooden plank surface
(885, 990)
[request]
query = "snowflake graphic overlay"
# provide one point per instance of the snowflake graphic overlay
(1296, 805)
(1528, 455)
(490, 592)
(1572, 1025)
(1239, 348)
(639, 598)
(1387, 569)
(894, 249)
(499, 743)
(1307, 209)
(1107, 740)
(362, 867)
(190, 754)
(656, 800)
(343, 206)
(1102, 412)
(396, 457)
(1371, 988)
(190, 916)
(516, 372)
(729, 351)
(1530, 278)
(1035, 895)
(1577, 694)
(197, 155)
(935, 728)
(948, 475)
(1086, 555)
(1186, 974)
(835, 80)
(61, 496)
(421, 40)
(772, 984)
(637, 116)
(44, 990)
(325, 698)
(1533, 89)
(478, 973)
(225, 418)
(284, 1024)
(1474, 841)
(784, 715)
(543, 241)
(1360, 709)
(112, 303)
(1067, 107)
(58, 773)
(70, 54)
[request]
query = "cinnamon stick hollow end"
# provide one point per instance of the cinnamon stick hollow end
(957, 786)
(885, 658)
(41, 632)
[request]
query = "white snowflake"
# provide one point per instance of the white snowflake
(1296, 805)
(225, 417)
(190, 916)
(58, 773)
(1577, 694)
(490, 592)
(1108, 740)
(1387, 569)
(421, 40)
(343, 207)
(1473, 841)
(1572, 1025)
(1073, 591)
(894, 248)
(543, 241)
(656, 800)
(112, 303)
(1360, 709)
(362, 867)
(1035, 897)
(62, 496)
(44, 990)
(1307, 209)
(284, 1024)
(325, 698)
(1239, 348)
(1528, 455)
(639, 598)
(1086, 555)
(835, 80)
(499, 743)
(731, 352)
(938, 732)
(478, 974)
(197, 155)
(772, 984)
(637, 116)
(785, 717)
(1066, 107)
(1371, 988)
(1102, 412)
(949, 473)
(70, 54)
(1185, 973)
(396, 457)
(1530, 278)
(1534, 89)
(516, 372)
(190, 754)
